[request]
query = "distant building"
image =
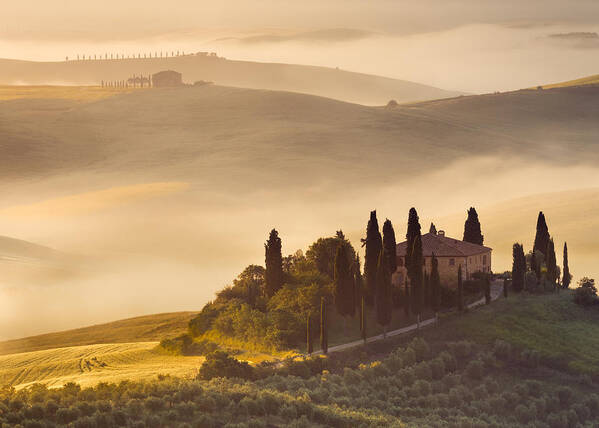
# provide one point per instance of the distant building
(167, 78)
(451, 253)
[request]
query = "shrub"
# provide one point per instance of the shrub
(502, 349)
(220, 364)
(586, 293)
(564, 394)
(475, 369)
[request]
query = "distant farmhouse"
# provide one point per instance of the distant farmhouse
(169, 78)
(451, 253)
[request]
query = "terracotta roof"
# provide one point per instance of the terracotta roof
(444, 246)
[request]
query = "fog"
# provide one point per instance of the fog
(162, 247)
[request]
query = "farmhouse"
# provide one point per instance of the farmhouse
(451, 253)
(167, 78)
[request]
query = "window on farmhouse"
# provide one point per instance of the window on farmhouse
(451, 262)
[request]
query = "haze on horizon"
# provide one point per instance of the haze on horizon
(465, 45)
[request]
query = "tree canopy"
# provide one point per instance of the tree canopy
(274, 264)
(542, 235)
(472, 231)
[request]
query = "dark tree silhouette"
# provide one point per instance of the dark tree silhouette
(414, 262)
(435, 282)
(518, 267)
(472, 231)
(343, 286)
(389, 244)
(542, 236)
(358, 282)
(383, 293)
(460, 290)
(551, 263)
(567, 278)
(432, 229)
(535, 266)
(274, 264)
(374, 245)
(309, 346)
(324, 335)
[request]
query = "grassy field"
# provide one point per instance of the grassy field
(75, 93)
(89, 365)
(588, 80)
(566, 335)
(148, 328)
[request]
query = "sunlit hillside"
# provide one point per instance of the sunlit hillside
(589, 80)
(78, 93)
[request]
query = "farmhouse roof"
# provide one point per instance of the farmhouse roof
(444, 246)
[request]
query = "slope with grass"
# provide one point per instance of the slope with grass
(92, 364)
(588, 80)
(148, 328)
(322, 81)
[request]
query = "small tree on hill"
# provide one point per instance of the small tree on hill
(460, 290)
(567, 278)
(343, 286)
(383, 293)
(542, 235)
(435, 282)
(552, 271)
(374, 245)
(518, 267)
(472, 231)
(274, 264)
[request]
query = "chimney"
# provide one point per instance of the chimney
(441, 233)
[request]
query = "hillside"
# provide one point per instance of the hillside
(588, 80)
(326, 82)
(150, 328)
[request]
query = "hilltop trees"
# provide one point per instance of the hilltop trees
(542, 236)
(518, 267)
(274, 264)
(343, 285)
(374, 245)
(383, 292)
(472, 231)
(567, 276)
(323, 252)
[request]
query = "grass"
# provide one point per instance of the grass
(150, 328)
(90, 365)
(565, 334)
(588, 80)
(76, 93)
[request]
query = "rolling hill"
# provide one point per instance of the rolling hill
(328, 82)
(588, 80)
(150, 328)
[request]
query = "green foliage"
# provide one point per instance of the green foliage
(220, 364)
(185, 345)
(586, 293)
(472, 231)
(273, 277)
(323, 252)
(343, 283)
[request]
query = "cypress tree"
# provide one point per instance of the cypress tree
(542, 236)
(374, 245)
(426, 290)
(363, 318)
(274, 264)
(460, 290)
(413, 263)
(505, 287)
(343, 286)
(567, 276)
(324, 336)
(383, 293)
(518, 267)
(416, 281)
(472, 231)
(358, 283)
(535, 266)
(389, 244)
(309, 346)
(432, 229)
(551, 262)
(435, 282)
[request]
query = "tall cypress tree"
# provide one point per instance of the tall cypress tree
(374, 245)
(551, 262)
(343, 285)
(460, 290)
(413, 263)
(274, 264)
(567, 276)
(472, 231)
(383, 293)
(432, 229)
(435, 282)
(358, 282)
(324, 334)
(416, 281)
(542, 236)
(518, 267)
(309, 346)
(389, 244)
